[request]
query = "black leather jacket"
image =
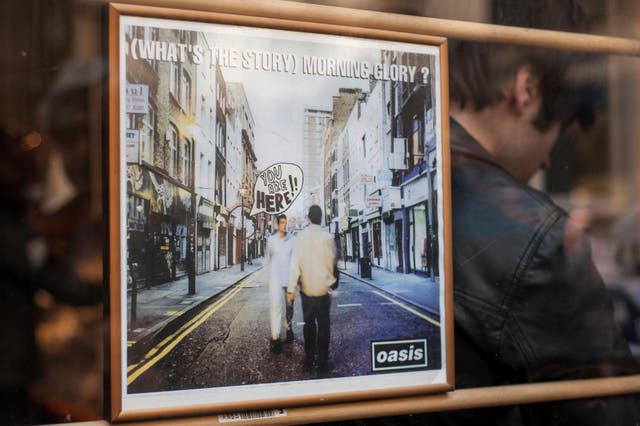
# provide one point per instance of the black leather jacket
(529, 304)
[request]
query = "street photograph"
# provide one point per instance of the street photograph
(282, 209)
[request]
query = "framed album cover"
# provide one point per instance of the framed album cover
(254, 161)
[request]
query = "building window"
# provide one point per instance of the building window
(174, 77)
(202, 114)
(148, 134)
(218, 132)
(220, 139)
(418, 235)
(136, 213)
(172, 155)
(345, 171)
(212, 121)
(429, 131)
(416, 142)
(185, 92)
(132, 122)
(220, 178)
(202, 178)
(364, 146)
(186, 162)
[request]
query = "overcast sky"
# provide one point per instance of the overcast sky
(278, 99)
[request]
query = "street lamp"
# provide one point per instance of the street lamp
(243, 191)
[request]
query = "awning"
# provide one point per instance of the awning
(165, 197)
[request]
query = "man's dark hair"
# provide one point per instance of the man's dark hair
(315, 214)
(478, 71)
(280, 217)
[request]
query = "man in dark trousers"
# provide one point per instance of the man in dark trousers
(312, 263)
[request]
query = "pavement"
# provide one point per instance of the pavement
(416, 290)
(158, 306)
(161, 305)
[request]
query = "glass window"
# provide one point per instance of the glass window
(148, 135)
(172, 157)
(186, 162)
(51, 47)
(185, 92)
(201, 171)
(419, 242)
(416, 143)
(174, 78)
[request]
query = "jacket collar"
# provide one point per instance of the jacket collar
(462, 143)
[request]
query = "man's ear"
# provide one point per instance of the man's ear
(525, 92)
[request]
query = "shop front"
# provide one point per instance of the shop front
(204, 236)
(169, 224)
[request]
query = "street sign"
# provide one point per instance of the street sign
(132, 145)
(366, 179)
(137, 99)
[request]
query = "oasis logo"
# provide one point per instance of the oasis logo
(398, 354)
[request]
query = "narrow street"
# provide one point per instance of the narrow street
(227, 343)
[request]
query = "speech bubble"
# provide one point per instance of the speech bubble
(276, 188)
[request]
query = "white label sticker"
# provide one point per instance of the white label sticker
(242, 416)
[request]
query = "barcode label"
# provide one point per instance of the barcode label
(251, 415)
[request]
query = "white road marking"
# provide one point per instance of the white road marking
(407, 308)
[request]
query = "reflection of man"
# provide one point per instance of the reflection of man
(529, 303)
(312, 263)
(279, 249)
(50, 243)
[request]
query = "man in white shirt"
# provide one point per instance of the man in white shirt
(312, 264)
(279, 248)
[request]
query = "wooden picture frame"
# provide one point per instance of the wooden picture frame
(217, 124)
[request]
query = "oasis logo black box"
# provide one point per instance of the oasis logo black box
(398, 354)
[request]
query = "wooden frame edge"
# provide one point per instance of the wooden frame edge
(465, 30)
(455, 400)
(327, 401)
(447, 222)
(115, 361)
(278, 24)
